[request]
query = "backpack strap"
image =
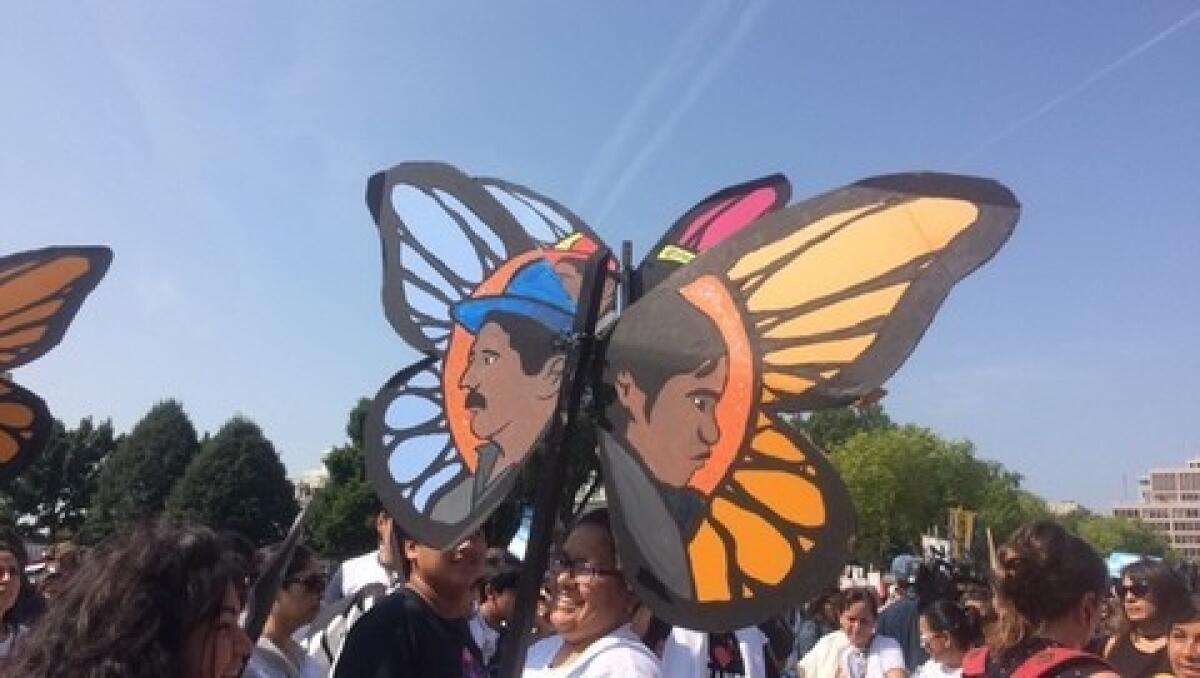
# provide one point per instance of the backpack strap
(974, 662)
(1047, 662)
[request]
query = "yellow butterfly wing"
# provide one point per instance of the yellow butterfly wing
(814, 306)
(40, 293)
(839, 303)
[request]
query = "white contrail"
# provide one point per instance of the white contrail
(1086, 83)
(684, 50)
(695, 88)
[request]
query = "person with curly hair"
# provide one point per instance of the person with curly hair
(157, 601)
(1048, 586)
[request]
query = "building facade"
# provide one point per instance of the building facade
(1170, 504)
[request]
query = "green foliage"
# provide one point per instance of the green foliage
(52, 494)
(1108, 533)
(237, 483)
(903, 481)
(829, 429)
(137, 478)
(583, 470)
(341, 524)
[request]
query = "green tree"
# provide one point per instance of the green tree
(237, 483)
(1108, 533)
(1005, 506)
(136, 479)
(341, 524)
(903, 481)
(53, 493)
(829, 429)
(582, 473)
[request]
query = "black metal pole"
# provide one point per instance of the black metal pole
(553, 468)
(627, 275)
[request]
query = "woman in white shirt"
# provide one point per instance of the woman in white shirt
(869, 655)
(590, 608)
(947, 632)
(277, 654)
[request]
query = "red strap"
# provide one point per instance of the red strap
(1046, 662)
(974, 662)
(1042, 663)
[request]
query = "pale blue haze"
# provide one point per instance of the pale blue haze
(222, 150)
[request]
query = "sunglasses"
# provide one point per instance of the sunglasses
(1139, 589)
(314, 582)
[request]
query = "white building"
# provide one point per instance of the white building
(308, 482)
(1170, 504)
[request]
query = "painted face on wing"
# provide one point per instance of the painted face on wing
(510, 396)
(513, 368)
(676, 431)
(669, 377)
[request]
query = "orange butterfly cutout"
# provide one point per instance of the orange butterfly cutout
(40, 292)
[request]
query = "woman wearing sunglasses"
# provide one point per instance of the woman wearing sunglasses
(277, 655)
(590, 607)
(1150, 596)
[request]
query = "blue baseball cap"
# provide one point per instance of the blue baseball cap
(534, 292)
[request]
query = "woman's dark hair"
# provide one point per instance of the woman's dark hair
(816, 606)
(1042, 572)
(859, 595)
(599, 518)
(1188, 612)
(947, 616)
(29, 605)
(132, 606)
(1168, 591)
(301, 558)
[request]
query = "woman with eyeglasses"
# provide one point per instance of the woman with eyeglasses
(1150, 596)
(947, 633)
(277, 654)
(590, 607)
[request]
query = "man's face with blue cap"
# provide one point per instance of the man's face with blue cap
(514, 365)
(511, 397)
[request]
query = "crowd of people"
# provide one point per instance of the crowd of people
(167, 600)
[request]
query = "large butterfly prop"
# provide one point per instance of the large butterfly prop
(746, 310)
(40, 292)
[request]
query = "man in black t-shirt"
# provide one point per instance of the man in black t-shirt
(421, 629)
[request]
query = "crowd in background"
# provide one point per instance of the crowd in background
(167, 600)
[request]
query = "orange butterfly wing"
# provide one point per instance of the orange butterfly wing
(40, 293)
(24, 426)
(725, 514)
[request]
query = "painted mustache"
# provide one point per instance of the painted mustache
(475, 401)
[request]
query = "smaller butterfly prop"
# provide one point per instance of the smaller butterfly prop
(40, 292)
(748, 309)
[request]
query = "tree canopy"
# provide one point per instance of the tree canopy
(136, 479)
(52, 495)
(237, 483)
(903, 481)
(341, 524)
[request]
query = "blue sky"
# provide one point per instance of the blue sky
(222, 150)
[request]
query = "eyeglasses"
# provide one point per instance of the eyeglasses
(580, 571)
(1139, 589)
(314, 582)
